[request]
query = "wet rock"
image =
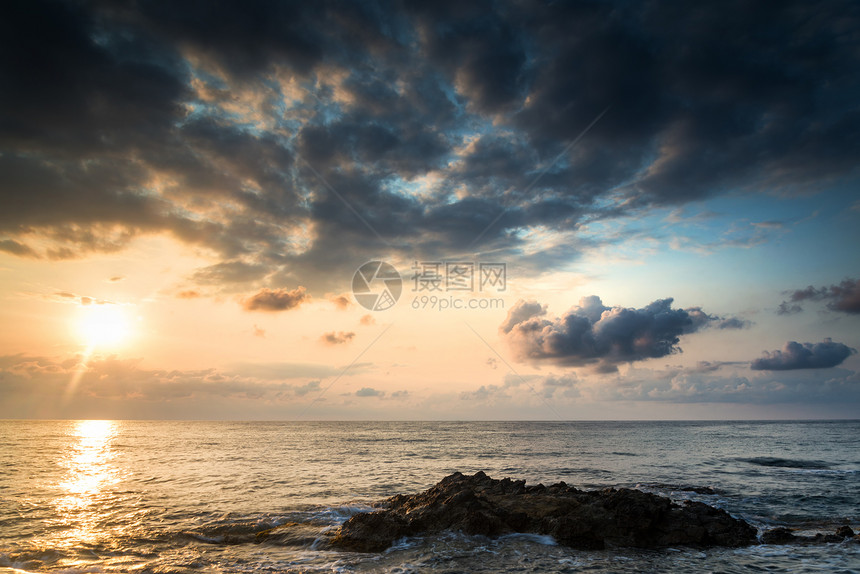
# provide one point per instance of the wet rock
(779, 535)
(844, 532)
(587, 520)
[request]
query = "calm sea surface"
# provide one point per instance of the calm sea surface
(191, 497)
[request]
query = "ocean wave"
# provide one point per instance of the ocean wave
(543, 539)
(30, 559)
(773, 461)
(679, 488)
(294, 529)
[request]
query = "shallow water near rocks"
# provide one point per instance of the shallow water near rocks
(137, 496)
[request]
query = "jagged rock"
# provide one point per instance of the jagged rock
(779, 535)
(587, 520)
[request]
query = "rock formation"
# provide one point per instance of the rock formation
(586, 520)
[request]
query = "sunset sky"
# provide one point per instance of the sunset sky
(670, 191)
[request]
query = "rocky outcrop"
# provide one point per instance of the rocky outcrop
(587, 520)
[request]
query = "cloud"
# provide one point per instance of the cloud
(275, 299)
(310, 387)
(337, 338)
(565, 385)
(486, 393)
(523, 311)
(731, 323)
(787, 309)
(340, 301)
(367, 320)
(708, 386)
(229, 272)
(593, 332)
(68, 297)
(804, 356)
(429, 121)
(843, 297)
(277, 371)
(369, 392)
(16, 248)
(189, 294)
(515, 387)
(110, 378)
(711, 366)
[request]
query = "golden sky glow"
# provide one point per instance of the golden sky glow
(183, 215)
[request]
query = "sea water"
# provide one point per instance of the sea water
(191, 496)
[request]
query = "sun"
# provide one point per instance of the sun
(103, 325)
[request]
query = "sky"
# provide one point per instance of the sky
(441, 210)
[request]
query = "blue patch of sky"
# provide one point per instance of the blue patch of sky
(398, 186)
(741, 249)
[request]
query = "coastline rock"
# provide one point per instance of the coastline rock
(780, 535)
(585, 520)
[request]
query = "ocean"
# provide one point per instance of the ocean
(191, 496)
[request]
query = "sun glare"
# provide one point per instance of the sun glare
(103, 325)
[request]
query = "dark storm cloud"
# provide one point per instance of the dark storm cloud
(276, 299)
(724, 104)
(77, 82)
(480, 48)
(405, 149)
(229, 126)
(592, 332)
(843, 297)
(804, 356)
(39, 192)
(246, 37)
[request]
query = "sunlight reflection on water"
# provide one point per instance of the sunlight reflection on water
(89, 471)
